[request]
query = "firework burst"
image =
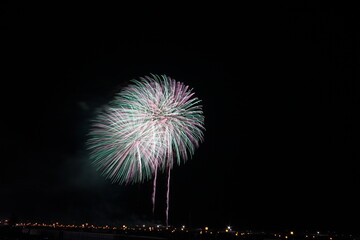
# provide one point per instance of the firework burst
(151, 125)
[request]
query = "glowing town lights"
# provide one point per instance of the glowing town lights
(205, 231)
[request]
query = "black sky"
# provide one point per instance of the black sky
(280, 100)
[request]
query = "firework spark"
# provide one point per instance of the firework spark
(151, 125)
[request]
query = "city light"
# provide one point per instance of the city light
(152, 230)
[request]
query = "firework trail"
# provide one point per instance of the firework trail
(154, 192)
(150, 125)
(167, 199)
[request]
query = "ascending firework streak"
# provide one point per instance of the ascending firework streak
(150, 125)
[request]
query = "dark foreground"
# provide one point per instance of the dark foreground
(153, 232)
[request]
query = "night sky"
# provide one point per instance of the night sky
(280, 102)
